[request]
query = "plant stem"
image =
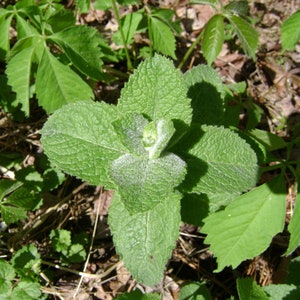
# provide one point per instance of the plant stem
(129, 63)
(189, 52)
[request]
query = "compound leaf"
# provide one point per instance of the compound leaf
(156, 90)
(57, 84)
(145, 240)
(255, 216)
(19, 69)
(290, 31)
(86, 144)
(4, 35)
(213, 38)
(81, 45)
(247, 35)
(162, 37)
(144, 182)
(220, 163)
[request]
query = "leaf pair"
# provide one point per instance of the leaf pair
(213, 35)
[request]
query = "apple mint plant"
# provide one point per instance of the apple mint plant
(155, 152)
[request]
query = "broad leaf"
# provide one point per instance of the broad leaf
(7, 274)
(213, 38)
(207, 92)
(247, 35)
(130, 129)
(294, 227)
(19, 69)
(290, 31)
(255, 216)
(86, 145)
(162, 37)
(157, 90)
(248, 289)
(144, 182)
(219, 163)
(138, 295)
(81, 45)
(145, 240)
(57, 84)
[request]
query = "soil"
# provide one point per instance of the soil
(273, 83)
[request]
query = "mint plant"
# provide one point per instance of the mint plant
(152, 151)
(51, 55)
(213, 34)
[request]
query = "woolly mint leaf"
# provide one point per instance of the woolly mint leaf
(157, 136)
(86, 145)
(145, 240)
(162, 37)
(290, 31)
(213, 38)
(130, 128)
(156, 90)
(247, 35)
(231, 232)
(57, 84)
(80, 44)
(207, 92)
(217, 154)
(19, 69)
(144, 182)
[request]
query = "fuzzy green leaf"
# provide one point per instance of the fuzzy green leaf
(19, 69)
(294, 227)
(162, 37)
(57, 84)
(145, 240)
(219, 163)
(144, 182)
(157, 90)
(255, 216)
(207, 92)
(248, 289)
(247, 35)
(130, 128)
(80, 43)
(213, 38)
(86, 144)
(290, 31)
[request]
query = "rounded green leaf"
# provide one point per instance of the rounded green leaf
(80, 140)
(156, 90)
